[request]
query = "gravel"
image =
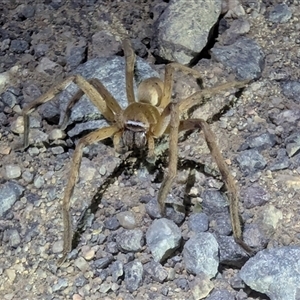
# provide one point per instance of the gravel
(119, 250)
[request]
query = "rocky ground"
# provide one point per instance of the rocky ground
(123, 249)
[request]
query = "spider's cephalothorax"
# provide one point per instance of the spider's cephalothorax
(139, 124)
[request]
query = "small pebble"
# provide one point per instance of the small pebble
(13, 171)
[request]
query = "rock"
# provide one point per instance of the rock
(87, 126)
(47, 66)
(183, 29)
(12, 171)
(251, 161)
(231, 253)
(126, 219)
(163, 238)
(13, 237)
(291, 90)
(262, 141)
(182, 283)
(19, 46)
(104, 262)
(201, 286)
(280, 13)
(274, 272)
(9, 98)
(133, 275)
(60, 285)
(221, 295)
(198, 222)
(130, 240)
(213, 202)
(112, 223)
(281, 162)
(152, 209)
(10, 192)
(116, 270)
(81, 264)
(254, 236)
(254, 195)
(244, 56)
(221, 223)
(156, 271)
(76, 54)
(200, 254)
(28, 11)
(56, 134)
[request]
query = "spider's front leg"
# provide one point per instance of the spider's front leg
(89, 139)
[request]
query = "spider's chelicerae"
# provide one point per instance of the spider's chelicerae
(145, 119)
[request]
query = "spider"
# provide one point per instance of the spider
(145, 119)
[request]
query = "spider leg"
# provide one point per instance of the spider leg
(198, 98)
(83, 84)
(168, 81)
(173, 156)
(129, 62)
(228, 179)
(111, 102)
(89, 139)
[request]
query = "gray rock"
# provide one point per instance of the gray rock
(198, 222)
(183, 29)
(9, 99)
(117, 270)
(40, 50)
(133, 275)
(281, 162)
(280, 13)
(10, 192)
(182, 283)
(244, 56)
(254, 236)
(251, 161)
(262, 141)
(292, 144)
(19, 46)
(112, 247)
(156, 271)
(220, 295)
(200, 254)
(76, 55)
(230, 252)
(130, 240)
(60, 285)
(87, 126)
(152, 209)
(274, 272)
(126, 219)
(12, 171)
(13, 237)
(104, 262)
(112, 223)
(221, 223)
(163, 238)
(28, 11)
(213, 202)
(291, 90)
(175, 213)
(254, 195)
